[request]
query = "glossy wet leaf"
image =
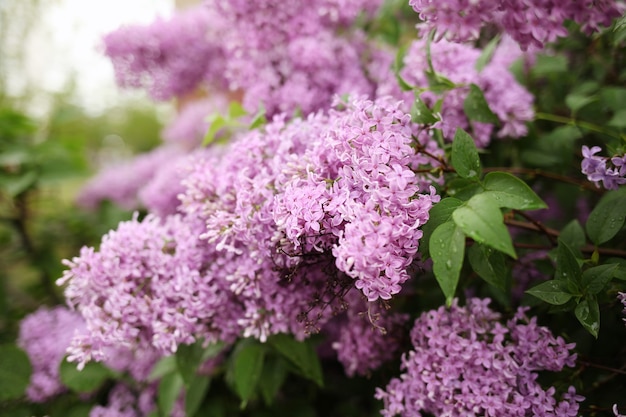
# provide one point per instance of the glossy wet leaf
(481, 219)
(465, 159)
(476, 107)
(511, 192)
(553, 292)
(447, 249)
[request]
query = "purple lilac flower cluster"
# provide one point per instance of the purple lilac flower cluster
(150, 286)
(510, 101)
(282, 56)
(532, 23)
(354, 191)
(289, 56)
(122, 183)
(276, 228)
(45, 335)
(191, 122)
(596, 169)
(366, 336)
(464, 362)
(168, 57)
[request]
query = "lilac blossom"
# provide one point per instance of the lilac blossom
(126, 401)
(122, 182)
(610, 172)
(510, 101)
(160, 194)
(531, 23)
(356, 191)
(465, 362)
(192, 121)
(296, 197)
(280, 56)
(367, 335)
(45, 335)
(150, 286)
(121, 403)
(169, 57)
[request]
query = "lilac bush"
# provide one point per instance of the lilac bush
(350, 216)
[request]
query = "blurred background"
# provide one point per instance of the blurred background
(62, 119)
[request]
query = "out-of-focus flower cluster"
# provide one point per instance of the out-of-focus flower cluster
(123, 183)
(282, 56)
(510, 101)
(532, 23)
(46, 334)
(464, 362)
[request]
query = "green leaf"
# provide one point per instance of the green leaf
(576, 102)
(481, 219)
(476, 107)
(300, 354)
(15, 371)
(247, 368)
(464, 189)
(397, 67)
(620, 272)
(549, 65)
(588, 314)
(76, 410)
(447, 249)
(236, 110)
(596, 278)
(489, 265)
(568, 268)
(437, 83)
(607, 218)
(90, 378)
(420, 113)
(190, 357)
(573, 235)
(613, 97)
(169, 390)
(440, 213)
(509, 191)
(465, 157)
(217, 123)
(272, 378)
(553, 292)
(165, 365)
(619, 119)
(195, 393)
(17, 184)
(259, 119)
(487, 53)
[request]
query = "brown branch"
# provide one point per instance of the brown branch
(546, 174)
(603, 367)
(555, 233)
(532, 226)
(548, 233)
